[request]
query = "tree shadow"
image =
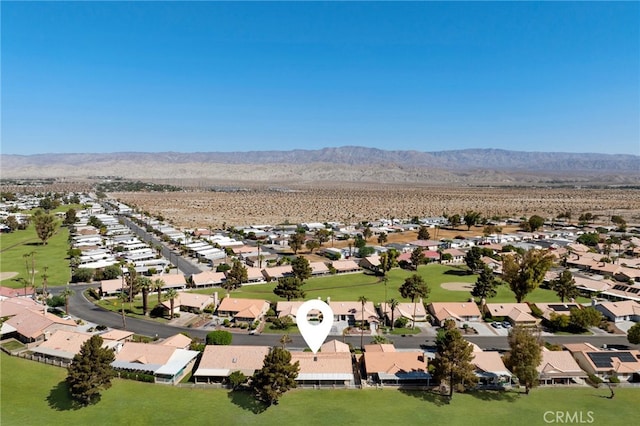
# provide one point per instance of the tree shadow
(34, 243)
(457, 273)
(246, 401)
(495, 395)
(59, 398)
(433, 397)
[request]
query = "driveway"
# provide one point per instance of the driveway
(625, 325)
(485, 329)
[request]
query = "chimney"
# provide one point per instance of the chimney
(328, 300)
(594, 302)
(215, 299)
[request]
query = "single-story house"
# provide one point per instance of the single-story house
(61, 345)
(8, 292)
(254, 275)
(627, 310)
(179, 341)
(371, 263)
(405, 310)
(384, 365)
(490, 369)
(556, 308)
(430, 245)
(167, 364)
(324, 368)
(275, 272)
(190, 302)
(34, 326)
(318, 269)
(515, 313)
(345, 266)
(460, 312)
(117, 335)
(112, 287)
(290, 309)
(208, 279)
(457, 256)
(243, 310)
(334, 346)
(15, 305)
(218, 362)
(603, 363)
(176, 281)
(352, 312)
(559, 367)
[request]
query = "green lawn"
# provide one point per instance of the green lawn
(34, 393)
(352, 286)
(54, 255)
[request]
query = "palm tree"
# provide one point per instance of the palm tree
(171, 296)
(258, 245)
(66, 293)
(158, 283)
(123, 298)
(362, 300)
(393, 304)
(145, 285)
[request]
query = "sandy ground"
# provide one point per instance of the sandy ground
(457, 286)
(7, 275)
(352, 203)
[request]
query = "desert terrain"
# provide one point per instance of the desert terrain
(353, 203)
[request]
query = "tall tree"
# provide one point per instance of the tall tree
(66, 293)
(393, 304)
(388, 260)
(363, 301)
(633, 335)
(485, 286)
(584, 318)
(289, 288)
(236, 276)
(123, 298)
(276, 376)
(535, 222)
(90, 372)
(382, 238)
(525, 356)
(471, 218)
(70, 217)
(414, 287)
(300, 268)
(312, 245)
(417, 258)
(145, 286)
(453, 361)
(423, 233)
(367, 232)
(525, 272)
(158, 283)
(171, 296)
(473, 259)
(296, 241)
(565, 286)
(454, 220)
(323, 235)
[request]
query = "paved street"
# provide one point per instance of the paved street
(80, 307)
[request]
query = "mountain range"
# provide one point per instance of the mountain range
(349, 163)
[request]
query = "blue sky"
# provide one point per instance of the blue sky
(215, 76)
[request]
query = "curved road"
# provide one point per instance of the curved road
(80, 307)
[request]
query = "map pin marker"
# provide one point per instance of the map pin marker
(314, 334)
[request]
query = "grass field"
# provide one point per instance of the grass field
(18, 243)
(352, 286)
(34, 393)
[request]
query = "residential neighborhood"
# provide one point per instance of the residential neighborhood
(111, 241)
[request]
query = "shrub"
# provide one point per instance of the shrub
(401, 322)
(82, 275)
(283, 323)
(226, 323)
(219, 337)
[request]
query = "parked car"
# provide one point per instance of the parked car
(506, 324)
(496, 324)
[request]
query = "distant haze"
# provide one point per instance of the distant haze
(343, 164)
